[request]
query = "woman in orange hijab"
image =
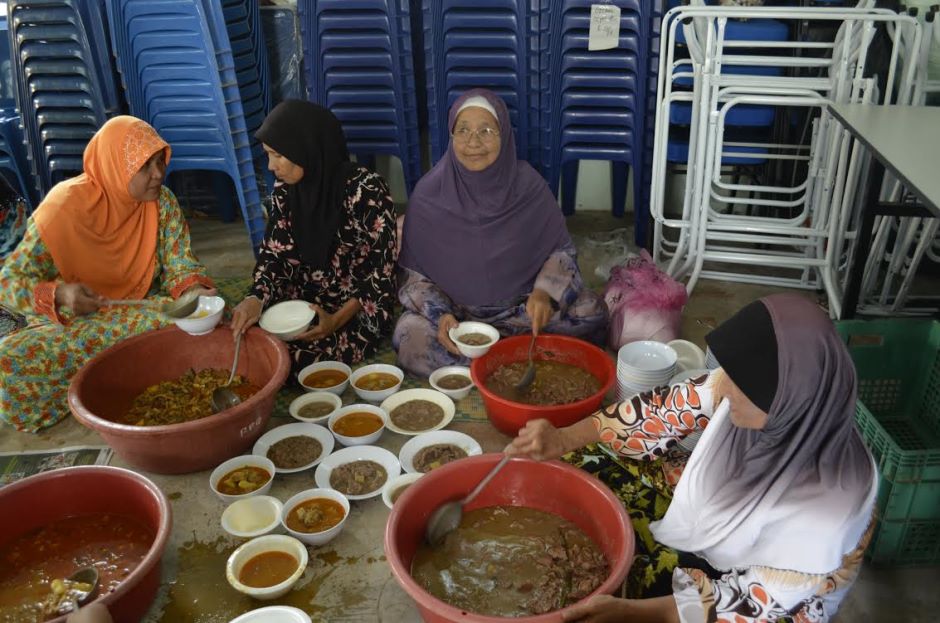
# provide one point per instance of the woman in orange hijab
(113, 232)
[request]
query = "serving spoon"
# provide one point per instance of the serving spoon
(76, 598)
(222, 397)
(529, 375)
(447, 517)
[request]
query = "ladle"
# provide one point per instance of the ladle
(447, 517)
(222, 397)
(529, 375)
(75, 598)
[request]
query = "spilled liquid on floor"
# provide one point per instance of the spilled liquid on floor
(201, 594)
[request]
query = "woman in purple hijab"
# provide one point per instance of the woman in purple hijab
(771, 513)
(484, 240)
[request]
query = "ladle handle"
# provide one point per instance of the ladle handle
(488, 478)
(238, 344)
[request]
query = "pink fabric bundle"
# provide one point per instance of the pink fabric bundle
(644, 302)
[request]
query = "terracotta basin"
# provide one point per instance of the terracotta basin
(39, 500)
(106, 386)
(552, 486)
(508, 415)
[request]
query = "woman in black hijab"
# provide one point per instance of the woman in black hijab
(330, 241)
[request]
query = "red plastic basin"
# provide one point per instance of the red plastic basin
(509, 416)
(551, 486)
(105, 387)
(44, 498)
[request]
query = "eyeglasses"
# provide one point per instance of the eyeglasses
(487, 136)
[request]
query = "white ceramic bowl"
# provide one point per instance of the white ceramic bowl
(274, 614)
(233, 464)
(473, 352)
(275, 435)
(363, 440)
(316, 538)
(252, 517)
(646, 356)
(205, 318)
(305, 399)
(394, 484)
(325, 365)
(357, 453)
(685, 375)
(445, 403)
(259, 545)
(377, 396)
(287, 320)
(454, 394)
(412, 446)
(690, 356)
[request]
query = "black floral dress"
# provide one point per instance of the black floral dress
(363, 267)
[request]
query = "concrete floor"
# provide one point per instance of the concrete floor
(348, 579)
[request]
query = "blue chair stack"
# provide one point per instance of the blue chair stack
(14, 164)
(591, 102)
(358, 61)
(179, 75)
(65, 91)
(644, 171)
(481, 43)
(243, 22)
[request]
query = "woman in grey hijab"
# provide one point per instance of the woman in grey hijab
(770, 514)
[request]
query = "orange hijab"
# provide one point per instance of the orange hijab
(97, 233)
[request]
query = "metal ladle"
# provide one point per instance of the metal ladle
(85, 575)
(222, 397)
(447, 517)
(529, 375)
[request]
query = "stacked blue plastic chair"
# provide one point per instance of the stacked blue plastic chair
(179, 75)
(14, 165)
(64, 82)
(592, 102)
(481, 43)
(243, 22)
(358, 62)
(644, 170)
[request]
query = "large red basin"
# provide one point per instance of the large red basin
(509, 416)
(42, 499)
(551, 486)
(105, 387)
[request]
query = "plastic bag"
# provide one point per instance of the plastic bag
(644, 302)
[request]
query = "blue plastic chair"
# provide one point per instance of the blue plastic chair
(358, 63)
(183, 83)
(486, 43)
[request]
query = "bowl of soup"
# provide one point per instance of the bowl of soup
(242, 476)
(314, 407)
(294, 447)
(267, 567)
(150, 396)
(433, 450)
(453, 381)
(72, 512)
(474, 339)
(325, 376)
(358, 425)
(571, 379)
(376, 382)
(416, 411)
(396, 487)
(315, 516)
(358, 472)
(579, 504)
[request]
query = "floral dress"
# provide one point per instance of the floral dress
(38, 361)
(579, 313)
(363, 267)
(647, 429)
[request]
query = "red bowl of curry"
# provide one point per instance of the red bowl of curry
(561, 362)
(103, 392)
(113, 518)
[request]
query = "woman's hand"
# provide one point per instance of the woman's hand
(327, 324)
(92, 613)
(600, 609)
(444, 325)
(539, 309)
(541, 441)
(246, 314)
(78, 298)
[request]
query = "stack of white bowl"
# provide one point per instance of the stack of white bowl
(710, 362)
(641, 366)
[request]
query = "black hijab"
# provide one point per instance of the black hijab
(311, 136)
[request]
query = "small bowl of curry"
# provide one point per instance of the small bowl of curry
(267, 567)
(314, 407)
(242, 476)
(474, 339)
(376, 382)
(325, 376)
(315, 516)
(358, 425)
(453, 381)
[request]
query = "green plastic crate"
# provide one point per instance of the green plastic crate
(898, 413)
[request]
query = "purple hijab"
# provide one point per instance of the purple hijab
(482, 236)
